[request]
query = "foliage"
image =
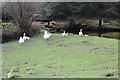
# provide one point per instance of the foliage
(44, 10)
(24, 13)
(118, 22)
(59, 9)
(6, 24)
(63, 10)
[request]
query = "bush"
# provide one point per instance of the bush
(34, 30)
(14, 32)
(9, 34)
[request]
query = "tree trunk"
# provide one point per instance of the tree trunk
(72, 23)
(48, 23)
(110, 22)
(100, 22)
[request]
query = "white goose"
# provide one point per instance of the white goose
(52, 22)
(49, 35)
(81, 33)
(25, 37)
(64, 34)
(46, 35)
(21, 40)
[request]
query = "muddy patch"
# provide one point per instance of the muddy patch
(6, 49)
(51, 43)
(94, 64)
(55, 42)
(104, 51)
(35, 64)
(26, 63)
(95, 49)
(29, 74)
(114, 60)
(16, 70)
(86, 43)
(62, 45)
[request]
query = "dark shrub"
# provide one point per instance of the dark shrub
(10, 33)
(14, 32)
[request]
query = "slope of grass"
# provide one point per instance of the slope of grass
(71, 56)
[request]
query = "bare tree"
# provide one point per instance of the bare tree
(22, 13)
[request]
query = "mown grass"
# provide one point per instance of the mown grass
(69, 57)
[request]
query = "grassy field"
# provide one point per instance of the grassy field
(114, 23)
(72, 56)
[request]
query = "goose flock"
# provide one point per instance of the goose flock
(23, 39)
(46, 36)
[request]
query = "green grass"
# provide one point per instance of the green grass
(70, 57)
(114, 24)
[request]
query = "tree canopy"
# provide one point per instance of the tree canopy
(23, 13)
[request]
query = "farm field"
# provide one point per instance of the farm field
(72, 56)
